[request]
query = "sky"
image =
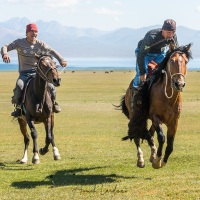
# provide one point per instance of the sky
(105, 14)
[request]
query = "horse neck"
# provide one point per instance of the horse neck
(40, 87)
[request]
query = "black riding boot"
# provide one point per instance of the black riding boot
(133, 89)
(52, 90)
(135, 101)
(17, 112)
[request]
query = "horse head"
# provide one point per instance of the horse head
(46, 68)
(177, 66)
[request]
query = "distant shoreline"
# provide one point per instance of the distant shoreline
(96, 69)
(99, 64)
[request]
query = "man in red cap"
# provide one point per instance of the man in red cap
(31, 27)
(26, 49)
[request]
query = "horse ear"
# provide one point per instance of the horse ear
(171, 46)
(44, 63)
(188, 47)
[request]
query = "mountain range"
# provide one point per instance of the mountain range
(90, 42)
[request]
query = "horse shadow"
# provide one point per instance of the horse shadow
(70, 177)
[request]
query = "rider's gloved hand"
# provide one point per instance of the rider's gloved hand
(6, 58)
(63, 63)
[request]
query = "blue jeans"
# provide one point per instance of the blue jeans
(22, 81)
(149, 57)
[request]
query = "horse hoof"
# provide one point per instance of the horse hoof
(22, 161)
(35, 161)
(56, 154)
(42, 152)
(156, 166)
(57, 157)
(156, 163)
(140, 164)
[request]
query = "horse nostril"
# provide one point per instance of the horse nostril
(176, 84)
(179, 85)
(56, 82)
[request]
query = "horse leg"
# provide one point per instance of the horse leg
(140, 161)
(23, 128)
(34, 135)
(56, 153)
(150, 140)
(170, 141)
(50, 139)
(156, 164)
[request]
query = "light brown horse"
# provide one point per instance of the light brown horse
(38, 108)
(158, 99)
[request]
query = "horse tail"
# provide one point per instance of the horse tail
(125, 138)
(122, 107)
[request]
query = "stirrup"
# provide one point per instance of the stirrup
(17, 112)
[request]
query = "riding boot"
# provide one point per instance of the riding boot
(56, 107)
(17, 112)
(133, 89)
(134, 101)
(52, 90)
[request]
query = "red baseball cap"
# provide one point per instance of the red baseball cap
(31, 27)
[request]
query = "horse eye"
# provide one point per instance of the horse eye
(172, 61)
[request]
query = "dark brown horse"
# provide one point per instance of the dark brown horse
(158, 99)
(38, 108)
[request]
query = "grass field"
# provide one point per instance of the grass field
(95, 163)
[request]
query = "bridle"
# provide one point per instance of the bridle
(172, 75)
(40, 72)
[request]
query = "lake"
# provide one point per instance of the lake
(98, 64)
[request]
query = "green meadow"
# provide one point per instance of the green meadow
(95, 163)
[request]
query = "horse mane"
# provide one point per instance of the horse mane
(162, 66)
(40, 56)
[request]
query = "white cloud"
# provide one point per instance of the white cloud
(107, 11)
(198, 8)
(20, 1)
(60, 3)
(88, 2)
(47, 3)
(118, 3)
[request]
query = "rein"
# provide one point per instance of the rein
(62, 70)
(160, 41)
(171, 76)
(41, 73)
